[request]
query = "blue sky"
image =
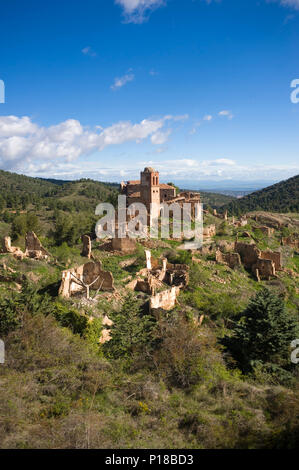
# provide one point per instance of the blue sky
(198, 89)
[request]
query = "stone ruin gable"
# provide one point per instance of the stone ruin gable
(86, 249)
(34, 248)
(264, 269)
(209, 231)
(249, 253)
(14, 250)
(274, 256)
(165, 300)
(90, 274)
(291, 241)
(233, 260)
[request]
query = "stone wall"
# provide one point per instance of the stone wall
(90, 274)
(233, 260)
(274, 256)
(34, 248)
(165, 300)
(249, 253)
(86, 249)
(264, 269)
(125, 245)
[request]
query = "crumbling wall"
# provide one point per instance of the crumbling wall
(86, 249)
(34, 248)
(177, 275)
(264, 269)
(148, 285)
(249, 253)
(14, 250)
(233, 260)
(90, 274)
(165, 300)
(275, 256)
(125, 245)
(291, 241)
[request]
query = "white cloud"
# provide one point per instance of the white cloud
(121, 81)
(160, 137)
(23, 143)
(226, 113)
(208, 117)
(136, 11)
(221, 169)
(290, 3)
(89, 51)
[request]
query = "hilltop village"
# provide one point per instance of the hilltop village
(122, 332)
(228, 241)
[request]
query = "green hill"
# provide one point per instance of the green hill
(19, 192)
(281, 197)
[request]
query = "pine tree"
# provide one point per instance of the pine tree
(131, 330)
(263, 334)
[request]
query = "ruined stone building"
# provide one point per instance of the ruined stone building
(148, 190)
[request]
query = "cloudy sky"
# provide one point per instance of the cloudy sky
(199, 89)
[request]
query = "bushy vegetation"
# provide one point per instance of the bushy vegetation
(163, 383)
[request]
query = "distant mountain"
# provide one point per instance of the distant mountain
(224, 185)
(281, 197)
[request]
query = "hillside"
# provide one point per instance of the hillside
(19, 192)
(281, 197)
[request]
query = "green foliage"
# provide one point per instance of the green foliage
(11, 314)
(131, 330)
(24, 223)
(281, 197)
(263, 333)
